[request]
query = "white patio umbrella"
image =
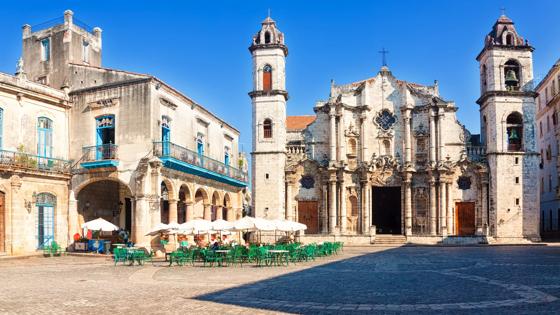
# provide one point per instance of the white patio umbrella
(157, 229)
(100, 224)
(197, 226)
(264, 224)
(283, 225)
(246, 223)
(221, 225)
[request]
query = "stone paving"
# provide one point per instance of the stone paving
(457, 280)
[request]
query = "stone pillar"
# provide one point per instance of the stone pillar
(408, 206)
(442, 209)
(343, 214)
(440, 131)
(484, 207)
(450, 212)
(289, 207)
(332, 206)
(141, 216)
(72, 217)
(219, 214)
(433, 213)
(407, 136)
(432, 138)
(325, 212)
(207, 212)
(332, 135)
(15, 217)
(363, 137)
(172, 210)
(341, 149)
(188, 211)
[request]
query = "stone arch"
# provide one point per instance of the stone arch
(89, 181)
(216, 205)
(185, 197)
(200, 202)
(170, 188)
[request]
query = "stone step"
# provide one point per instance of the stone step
(389, 239)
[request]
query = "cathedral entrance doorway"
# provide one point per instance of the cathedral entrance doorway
(308, 214)
(464, 218)
(387, 210)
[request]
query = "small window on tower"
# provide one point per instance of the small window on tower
(514, 129)
(511, 73)
(509, 39)
(85, 51)
(267, 78)
(267, 38)
(46, 49)
(267, 128)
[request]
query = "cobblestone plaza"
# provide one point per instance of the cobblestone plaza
(458, 280)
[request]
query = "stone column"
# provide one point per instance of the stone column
(433, 213)
(141, 216)
(432, 138)
(332, 206)
(450, 212)
(219, 214)
(343, 214)
(366, 208)
(207, 212)
(325, 212)
(440, 131)
(442, 209)
(341, 149)
(332, 135)
(408, 206)
(188, 211)
(289, 207)
(172, 210)
(72, 217)
(407, 136)
(15, 244)
(484, 207)
(363, 137)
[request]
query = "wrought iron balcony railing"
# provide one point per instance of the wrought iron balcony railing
(33, 162)
(100, 152)
(172, 150)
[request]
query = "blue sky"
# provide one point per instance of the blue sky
(200, 47)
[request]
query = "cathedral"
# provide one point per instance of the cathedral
(388, 156)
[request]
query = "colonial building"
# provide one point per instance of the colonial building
(141, 152)
(548, 104)
(387, 156)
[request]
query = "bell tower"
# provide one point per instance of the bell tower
(269, 98)
(507, 114)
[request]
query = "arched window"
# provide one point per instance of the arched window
(514, 127)
(267, 128)
(484, 130)
(164, 203)
(386, 147)
(45, 219)
(512, 75)
(267, 38)
(352, 147)
(509, 39)
(44, 137)
(267, 78)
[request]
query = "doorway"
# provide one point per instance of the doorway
(464, 218)
(308, 214)
(387, 210)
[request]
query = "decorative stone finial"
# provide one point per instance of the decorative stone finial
(20, 73)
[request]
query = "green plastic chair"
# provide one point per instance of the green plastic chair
(120, 255)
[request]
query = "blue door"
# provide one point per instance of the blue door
(44, 140)
(165, 139)
(105, 139)
(45, 219)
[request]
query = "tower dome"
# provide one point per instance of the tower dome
(269, 36)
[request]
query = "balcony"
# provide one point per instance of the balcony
(476, 153)
(103, 155)
(182, 159)
(24, 161)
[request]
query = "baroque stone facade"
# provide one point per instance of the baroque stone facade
(387, 156)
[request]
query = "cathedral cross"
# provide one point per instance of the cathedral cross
(384, 53)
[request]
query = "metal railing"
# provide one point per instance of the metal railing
(100, 152)
(169, 149)
(60, 21)
(33, 162)
(476, 153)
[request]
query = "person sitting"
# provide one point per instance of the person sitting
(215, 246)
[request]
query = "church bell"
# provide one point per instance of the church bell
(511, 78)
